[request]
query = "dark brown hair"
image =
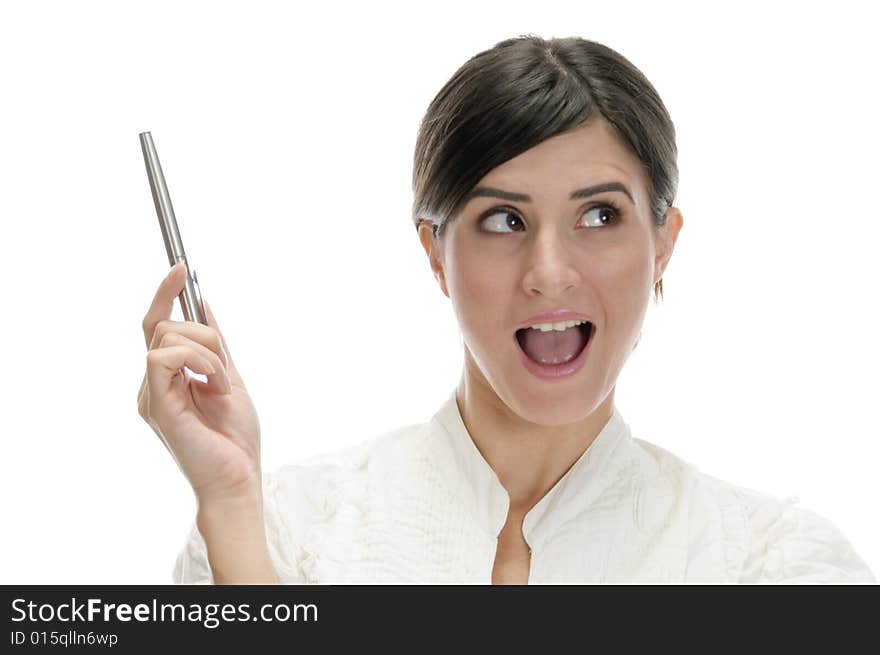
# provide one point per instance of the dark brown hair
(524, 90)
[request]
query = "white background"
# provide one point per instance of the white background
(286, 136)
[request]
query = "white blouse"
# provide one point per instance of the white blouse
(420, 504)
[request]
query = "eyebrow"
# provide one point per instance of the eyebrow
(491, 192)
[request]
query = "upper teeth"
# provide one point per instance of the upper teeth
(564, 325)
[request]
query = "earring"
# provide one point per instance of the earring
(658, 289)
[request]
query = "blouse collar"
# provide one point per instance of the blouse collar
(473, 478)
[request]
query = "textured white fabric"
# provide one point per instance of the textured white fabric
(420, 504)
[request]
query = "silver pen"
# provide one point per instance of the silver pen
(190, 297)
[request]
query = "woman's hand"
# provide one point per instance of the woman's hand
(211, 429)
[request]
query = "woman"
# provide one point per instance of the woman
(544, 177)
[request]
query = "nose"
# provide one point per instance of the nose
(550, 268)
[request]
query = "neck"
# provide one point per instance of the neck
(528, 458)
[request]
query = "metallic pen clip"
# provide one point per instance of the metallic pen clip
(197, 293)
(190, 297)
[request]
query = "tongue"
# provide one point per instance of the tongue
(552, 347)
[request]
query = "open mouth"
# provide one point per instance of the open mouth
(554, 348)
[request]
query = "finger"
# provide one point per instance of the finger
(163, 302)
(218, 381)
(165, 364)
(204, 335)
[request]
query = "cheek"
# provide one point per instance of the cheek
(480, 290)
(625, 273)
(624, 281)
(472, 274)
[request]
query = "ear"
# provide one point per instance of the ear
(432, 246)
(666, 236)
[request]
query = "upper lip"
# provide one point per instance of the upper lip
(555, 316)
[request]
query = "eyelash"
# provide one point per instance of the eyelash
(500, 210)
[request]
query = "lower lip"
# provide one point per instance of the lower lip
(556, 371)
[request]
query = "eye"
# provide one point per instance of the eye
(604, 215)
(500, 218)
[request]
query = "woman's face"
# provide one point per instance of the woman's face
(503, 261)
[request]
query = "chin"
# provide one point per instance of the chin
(555, 407)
